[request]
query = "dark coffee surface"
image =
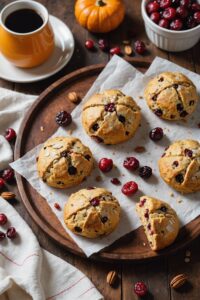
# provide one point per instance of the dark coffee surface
(24, 21)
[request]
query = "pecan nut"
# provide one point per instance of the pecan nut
(112, 277)
(8, 195)
(178, 281)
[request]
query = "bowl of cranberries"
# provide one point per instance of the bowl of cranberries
(172, 25)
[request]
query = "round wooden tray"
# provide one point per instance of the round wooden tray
(133, 246)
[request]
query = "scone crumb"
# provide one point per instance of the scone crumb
(69, 131)
(187, 259)
(171, 194)
(41, 128)
(140, 97)
(179, 200)
(98, 178)
(188, 253)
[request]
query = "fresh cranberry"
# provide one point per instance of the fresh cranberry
(95, 202)
(10, 134)
(182, 12)
(175, 2)
(145, 172)
(115, 50)
(3, 219)
(195, 7)
(89, 44)
(152, 7)
(110, 107)
(115, 181)
(155, 17)
(105, 164)
(140, 289)
(11, 233)
(8, 175)
(185, 3)
(129, 188)
(165, 3)
(2, 235)
(63, 118)
(169, 13)
(176, 24)
(140, 47)
(103, 45)
(164, 23)
(156, 134)
(2, 183)
(191, 23)
(197, 17)
(131, 163)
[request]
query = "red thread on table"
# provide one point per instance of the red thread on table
(65, 290)
(15, 263)
(92, 287)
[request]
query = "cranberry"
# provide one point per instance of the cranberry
(140, 47)
(95, 202)
(142, 202)
(105, 164)
(176, 24)
(63, 118)
(3, 219)
(103, 45)
(163, 209)
(115, 181)
(131, 163)
(104, 219)
(152, 7)
(90, 188)
(179, 107)
(197, 17)
(140, 289)
(182, 12)
(129, 188)
(57, 205)
(11, 233)
(175, 164)
(165, 3)
(115, 50)
(169, 13)
(188, 152)
(164, 23)
(183, 114)
(191, 23)
(156, 134)
(95, 127)
(146, 214)
(2, 183)
(196, 7)
(8, 175)
(158, 112)
(72, 170)
(89, 44)
(185, 3)
(10, 134)
(122, 119)
(2, 235)
(175, 2)
(145, 172)
(77, 229)
(110, 107)
(155, 17)
(179, 178)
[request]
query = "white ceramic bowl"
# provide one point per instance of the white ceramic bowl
(166, 39)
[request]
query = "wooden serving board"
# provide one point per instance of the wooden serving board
(133, 246)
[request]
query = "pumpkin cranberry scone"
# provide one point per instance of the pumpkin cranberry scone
(159, 220)
(180, 166)
(92, 212)
(64, 162)
(171, 96)
(111, 117)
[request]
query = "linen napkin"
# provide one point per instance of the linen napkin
(29, 272)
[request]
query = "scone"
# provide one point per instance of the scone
(64, 162)
(92, 212)
(180, 166)
(171, 96)
(160, 222)
(111, 117)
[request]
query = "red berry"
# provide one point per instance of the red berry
(89, 44)
(196, 7)
(110, 107)
(191, 23)
(95, 201)
(131, 163)
(105, 164)
(63, 118)
(185, 3)
(129, 188)
(115, 50)
(3, 219)
(145, 172)
(57, 205)
(169, 13)
(103, 45)
(115, 181)
(11, 233)
(156, 134)
(155, 17)
(10, 134)
(2, 183)
(140, 289)
(8, 175)
(197, 17)
(182, 12)
(164, 23)
(2, 235)
(140, 47)
(176, 24)
(152, 7)
(165, 3)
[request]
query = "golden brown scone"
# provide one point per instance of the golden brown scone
(180, 166)
(64, 162)
(92, 212)
(171, 96)
(160, 222)
(111, 117)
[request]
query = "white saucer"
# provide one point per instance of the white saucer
(64, 48)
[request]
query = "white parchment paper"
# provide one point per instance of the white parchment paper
(121, 75)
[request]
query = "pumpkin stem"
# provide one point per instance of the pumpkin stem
(100, 3)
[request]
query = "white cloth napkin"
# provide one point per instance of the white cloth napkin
(26, 270)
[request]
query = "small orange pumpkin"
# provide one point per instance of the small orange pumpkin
(99, 15)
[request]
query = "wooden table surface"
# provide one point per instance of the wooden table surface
(155, 274)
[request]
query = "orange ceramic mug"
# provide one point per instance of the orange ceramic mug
(29, 49)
